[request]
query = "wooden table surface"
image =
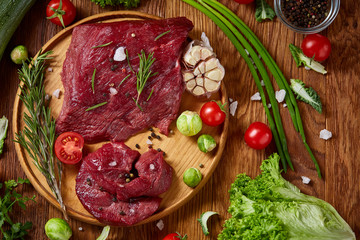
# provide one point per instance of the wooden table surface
(338, 157)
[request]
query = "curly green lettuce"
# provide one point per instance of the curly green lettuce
(125, 3)
(269, 207)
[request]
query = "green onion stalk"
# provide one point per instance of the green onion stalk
(233, 27)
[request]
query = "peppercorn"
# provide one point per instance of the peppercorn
(137, 146)
(122, 213)
(153, 135)
(159, 149)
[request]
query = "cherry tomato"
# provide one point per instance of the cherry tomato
(175, 236)
(68, 147)
(258, 135)
(61, 12)
(212, 113)
(317, 46)
(244, 1)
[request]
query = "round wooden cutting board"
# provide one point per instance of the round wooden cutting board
(181, 151)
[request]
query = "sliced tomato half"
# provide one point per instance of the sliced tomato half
(68, 147)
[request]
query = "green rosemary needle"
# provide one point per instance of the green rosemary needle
(102, 45)
(162, 34)
(96, 106)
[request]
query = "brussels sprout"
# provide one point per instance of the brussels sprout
(19, 54)
(189, 123)
(192, 177)
(58, 229)
(206, 143)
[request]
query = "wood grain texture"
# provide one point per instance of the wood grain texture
(338, 90)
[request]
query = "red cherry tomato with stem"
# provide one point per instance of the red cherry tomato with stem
(258, 135)
(212, 113)
(316, 46)
(244, 1)
(68, 147)
(175, 236)
(61, 12)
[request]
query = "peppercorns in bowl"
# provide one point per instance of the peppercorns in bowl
(307, 16)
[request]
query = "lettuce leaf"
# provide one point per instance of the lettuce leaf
(269, 207)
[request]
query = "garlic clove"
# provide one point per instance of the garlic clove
(188, 76)
(211, 85)
(200, 81)
(215, 74)
(191, 84)
(198, 91)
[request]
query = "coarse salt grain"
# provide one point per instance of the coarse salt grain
(231, 100)
(269, 105)
(233, 106)
(113, 91)
(284, 105)
(160, 225)
(120, 54)
(280, 95)
(262, 83)
(56, 93)
(47, 97)
(325, 134)
(152, 166)
(149, 142)
(81, 229)
(133, 35)
(112, 164)
(305, 180)
(255, 97)
(307, 68)
(50, 69)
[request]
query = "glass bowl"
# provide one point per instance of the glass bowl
(333, 11)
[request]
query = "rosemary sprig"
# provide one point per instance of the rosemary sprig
(152, 90)
(162, 34)
(144, 72)
(93, 81)
(38, 135)
(95, 106)
(124, 79)
(102, 45)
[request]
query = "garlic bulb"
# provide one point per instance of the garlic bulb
(203, 73)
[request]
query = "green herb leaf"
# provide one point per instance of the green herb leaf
(125, 3)
(263, 11)
(124, 80)
(102, 45)
(162, 34)
(96, 106)
(137, 104)
(93, 81)
(307, 95)
(3, 130)
(300, 59)
(152, 90)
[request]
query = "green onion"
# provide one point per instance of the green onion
(124, 79)
(211, 8)
(93, 81)
(152, 90)
(95, 106)
(162, 34)
(102, 45)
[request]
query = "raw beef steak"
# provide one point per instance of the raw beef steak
(102, 188)
(120, 117)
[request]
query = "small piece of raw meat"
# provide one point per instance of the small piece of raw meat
(120, 117)
(102, 188)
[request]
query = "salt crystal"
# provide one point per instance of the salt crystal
(56, 93)
(47, 97)
(262, 83)
(307, 68)
(149, 142)
(231, 100)
(280, 95)
(152, 166)
(113, 91)
(81, 229)
(305, 180)
(269, 105)
(325, 134)
(120, 54)
(255, 97)
(133, 35)
(50, 69)
(233, 106)
(112, 164)
(160, 225)
(284, 105)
